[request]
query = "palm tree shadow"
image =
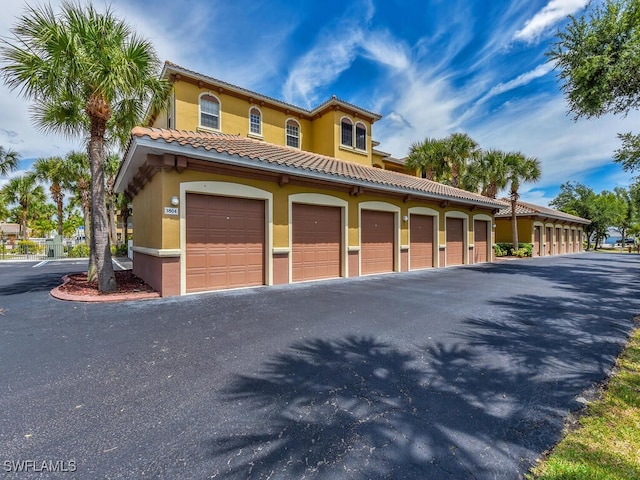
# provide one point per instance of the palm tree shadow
(360, 408)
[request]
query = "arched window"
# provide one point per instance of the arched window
(255, 121)
(361, 136)
(293, 133)
(209, 111)
(346, 132)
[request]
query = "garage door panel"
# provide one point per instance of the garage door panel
(316, 242)
(421, 241)
(455, 241)
(225, 242)
(377, 236)
(480, 240)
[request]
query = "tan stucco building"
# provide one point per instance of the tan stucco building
(550, 231)
(231, 188)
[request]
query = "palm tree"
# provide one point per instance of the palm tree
(53, 170)
(9, 161)
(79, 182)
(25, 192)
(89, 75)
(111, 165)
(487, 173)
(459, 150)
(519, 169)
(124, 207)
(428, 156)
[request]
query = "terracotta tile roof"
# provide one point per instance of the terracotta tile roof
(332, 101)
(10, 228)
(529, 209)
(260, 155)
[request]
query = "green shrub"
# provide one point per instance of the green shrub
(507, 249)
(499, 251)
(527, 247)
(520, 253)
(27, 247)
(79, 251)
(120, 250)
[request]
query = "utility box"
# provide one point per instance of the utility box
(54, 247)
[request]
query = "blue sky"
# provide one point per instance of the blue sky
(430, 67)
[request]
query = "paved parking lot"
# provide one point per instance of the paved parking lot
(451, 373)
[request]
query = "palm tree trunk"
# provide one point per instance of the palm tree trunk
(514, 223)
(112, 222)
(100, 257)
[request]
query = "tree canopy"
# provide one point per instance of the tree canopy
(598, 58)
(89, 75)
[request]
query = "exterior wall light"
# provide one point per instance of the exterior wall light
(175, 201)
(405, 218)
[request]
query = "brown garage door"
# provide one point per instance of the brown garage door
(480, 242)
(455, 241)
(421, 241)
(548, 242)
(316, 239)
(377, 235)
(558, 250)
(225, 242)
(536, 242)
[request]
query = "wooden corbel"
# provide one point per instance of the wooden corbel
(356, 191)
(181, 164)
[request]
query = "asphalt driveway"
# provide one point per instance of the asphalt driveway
(453, 373)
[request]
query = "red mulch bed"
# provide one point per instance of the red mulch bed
(126, 280)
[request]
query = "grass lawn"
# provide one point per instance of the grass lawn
(604, 444)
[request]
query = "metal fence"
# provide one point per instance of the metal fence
(34, 249)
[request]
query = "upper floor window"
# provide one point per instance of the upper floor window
(255, 121)
(361, 136)
(346, 132)
(293, 134)
(209, 111)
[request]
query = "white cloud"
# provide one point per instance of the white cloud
(321, 65)
(539, 127)
(425, 106)
(519, 81)
(552, 13)
(386, 50)
(335, 50)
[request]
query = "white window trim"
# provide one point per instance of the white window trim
(253, 134)
(286, 135)
(355, 136)
(226, 189)
(354, 146)
(323, 200)
(202, 127)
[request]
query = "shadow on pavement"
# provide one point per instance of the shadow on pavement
(484, 406)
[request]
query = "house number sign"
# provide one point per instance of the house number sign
(170, 211)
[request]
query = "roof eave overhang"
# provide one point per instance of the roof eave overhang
(546, 216)
(142, 146)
